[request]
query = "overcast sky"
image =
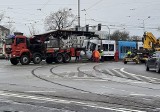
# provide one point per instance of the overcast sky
(123, 15)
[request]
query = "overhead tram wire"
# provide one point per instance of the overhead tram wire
(94, 4)
(45, 4)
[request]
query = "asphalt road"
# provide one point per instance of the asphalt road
(78, 87)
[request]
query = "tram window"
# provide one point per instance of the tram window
(140, 48)
(111, 47)
(105, 47)
(125, 49)
(132, 49)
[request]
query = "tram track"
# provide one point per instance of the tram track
(114, 100)
(81, 90)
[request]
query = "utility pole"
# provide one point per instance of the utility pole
(79, 14)
(144, 22)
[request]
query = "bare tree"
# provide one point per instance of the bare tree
(32, 30)
(61, 19)
(117, 35)
(10, 26)
(136, 38)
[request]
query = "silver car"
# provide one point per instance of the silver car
(154, 62)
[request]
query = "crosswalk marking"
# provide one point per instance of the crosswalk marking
(39, 98)
(129, 75)
(119, 73)
(133, 75)
(150, 79)
(108, 71)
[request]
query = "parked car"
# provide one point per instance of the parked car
(153, 62)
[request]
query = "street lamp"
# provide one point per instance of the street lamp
(144, 22)
(108, 29)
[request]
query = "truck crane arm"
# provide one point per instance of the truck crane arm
(150, 41)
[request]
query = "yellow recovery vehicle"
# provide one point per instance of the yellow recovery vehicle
(150, 42)
(150, 45)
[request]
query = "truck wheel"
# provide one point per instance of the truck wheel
(37, 59)
(14, 61)
(125, 62)
(24, 60)
(157, 69)
(59, 58)
(49, 60)
(66, 58)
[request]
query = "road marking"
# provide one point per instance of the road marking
(110, 72)
(149, 78)
(65, 101)
(90, 79)
(133, 75)
(119, 72)
(156, 96)
(41, 91)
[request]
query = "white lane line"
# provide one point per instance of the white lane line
(41, 91)
(119, 73)
(149, 78)
(132, 75)
(91, 79)
(65, 101)
(110, 72)
(155, 96)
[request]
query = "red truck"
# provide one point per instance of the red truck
(21, 49)
(24, 50)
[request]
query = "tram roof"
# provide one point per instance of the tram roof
(65, 34)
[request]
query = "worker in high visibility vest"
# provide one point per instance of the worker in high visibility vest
(102, 55)
(129, 53)
(96, 56)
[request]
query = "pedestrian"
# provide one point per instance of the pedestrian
(116, 56)
(77, 55)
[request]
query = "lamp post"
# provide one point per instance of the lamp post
(108, 30)
(144, 22)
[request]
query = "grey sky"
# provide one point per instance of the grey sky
(125, 15)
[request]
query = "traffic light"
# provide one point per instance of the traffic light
(87, 28)
(99, 27)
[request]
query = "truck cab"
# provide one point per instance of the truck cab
(21, 49)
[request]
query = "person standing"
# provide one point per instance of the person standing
(77, 56)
